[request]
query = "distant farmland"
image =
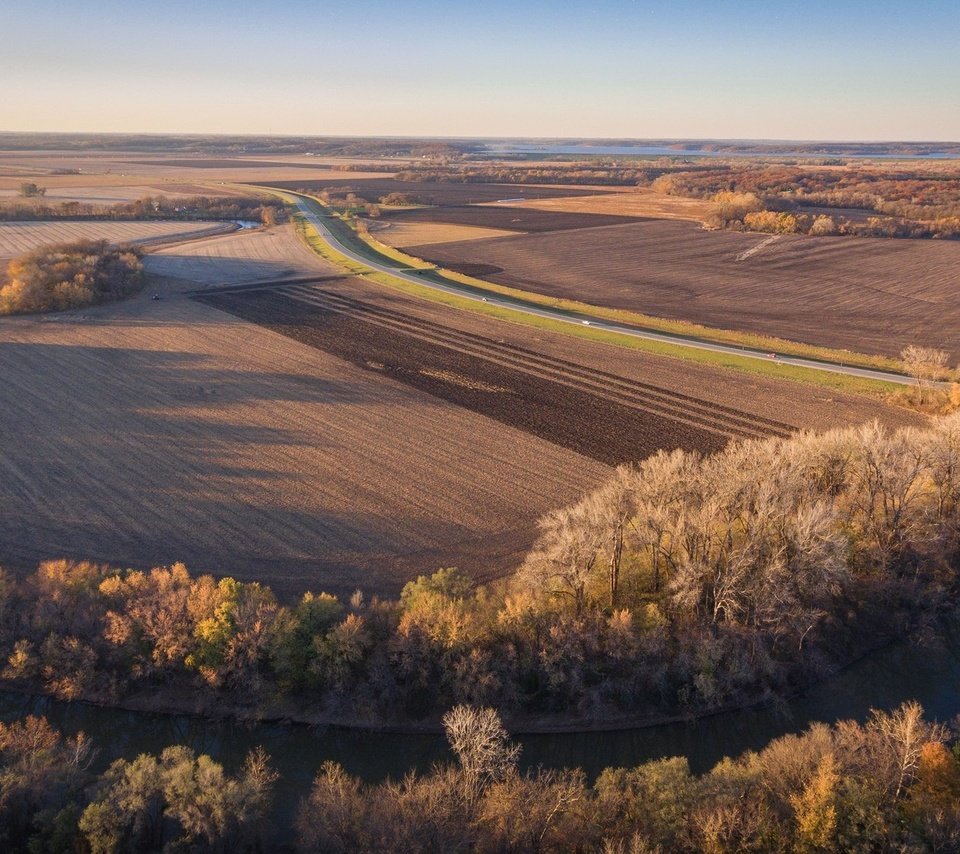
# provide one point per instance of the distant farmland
(435, 193)
(509, 218)
(870, 295)
(19, 237)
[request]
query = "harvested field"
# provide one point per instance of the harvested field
(518, 218)
(597, 414)
(639, 202)
(243, 256)
(19, 237)
(799, 405)
(222, 163)
(110, 195)
(401, 233)
(873, 296)
(147, 432)
(373, 189)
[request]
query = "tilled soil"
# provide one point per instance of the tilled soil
(594, 413)
(145, 432)
(862, 294)
(508, 218)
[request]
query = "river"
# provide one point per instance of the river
(882, 680)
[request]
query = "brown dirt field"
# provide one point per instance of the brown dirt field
(110, 194)
(639, 202)
(117, 169)
(869, 295)
(19, 237)
(512, 218)
(798, 405)
(373, 189)
(147, 432)
(594, 413)
(243, 256)
(401, 233)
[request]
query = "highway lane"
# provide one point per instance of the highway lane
(575, 319)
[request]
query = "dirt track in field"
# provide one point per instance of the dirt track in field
(147, 432)
(869, 295)
(594, 413)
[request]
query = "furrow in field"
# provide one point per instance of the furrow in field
(640, 396)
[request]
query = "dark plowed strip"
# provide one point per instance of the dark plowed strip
(587, 423)
(731, 422)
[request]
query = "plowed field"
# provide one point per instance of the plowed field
(147, 432)
(517, 218)
(19, 237)
(606, 417)
(869, 295)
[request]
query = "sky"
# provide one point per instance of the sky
(840, 70)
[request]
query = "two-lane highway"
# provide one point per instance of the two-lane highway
(306, 208)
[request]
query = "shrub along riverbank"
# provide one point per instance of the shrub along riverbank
(890, 784)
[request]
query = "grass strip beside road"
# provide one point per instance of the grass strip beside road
(342, 231)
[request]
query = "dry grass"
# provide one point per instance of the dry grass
(19, 237)
(397, 233)
(147, 432)
(640, 202)
(243, 256)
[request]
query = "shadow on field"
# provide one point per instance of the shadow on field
(142, 457)
(223, 269)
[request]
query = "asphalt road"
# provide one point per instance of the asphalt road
(582, 320)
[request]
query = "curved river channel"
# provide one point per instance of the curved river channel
(882, 680)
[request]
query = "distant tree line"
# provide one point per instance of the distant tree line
(871, 200)
(921, 203)
(683, 585)
(251, 208)
(70, 275)
(889, 784)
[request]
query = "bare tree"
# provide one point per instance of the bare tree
(481, 744)
(924, 364)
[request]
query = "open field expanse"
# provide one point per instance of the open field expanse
(373, 189)
(507, 218)
(399, 232)
(78, 175)
(147, 432)
(19, 237)
(637, 202)
(386, 442)
(599, 415)
(797, 405)
(874, 296)
(242, 256)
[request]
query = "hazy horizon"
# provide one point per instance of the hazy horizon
(617, 70)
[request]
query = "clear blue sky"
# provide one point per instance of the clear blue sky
(801, 70)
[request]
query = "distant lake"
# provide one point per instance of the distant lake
(587, 150)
